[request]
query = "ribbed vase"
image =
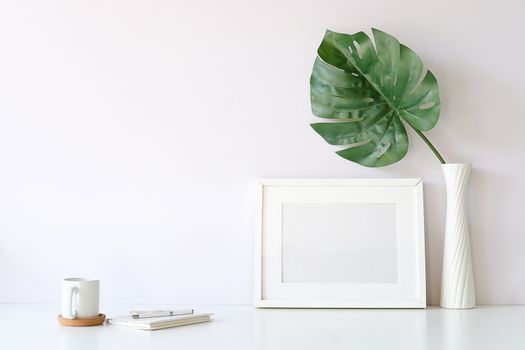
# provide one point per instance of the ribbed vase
(457, 279)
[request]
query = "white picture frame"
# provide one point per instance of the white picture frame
(340, 243)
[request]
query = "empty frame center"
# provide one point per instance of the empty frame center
(339, 243)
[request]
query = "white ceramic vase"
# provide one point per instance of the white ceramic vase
(457, 280)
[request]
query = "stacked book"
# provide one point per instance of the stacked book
(154, 320)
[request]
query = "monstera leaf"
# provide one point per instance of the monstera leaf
(369, 94)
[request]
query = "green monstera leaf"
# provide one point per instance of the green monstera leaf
(369, 93)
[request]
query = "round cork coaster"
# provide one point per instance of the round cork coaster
(82, 322)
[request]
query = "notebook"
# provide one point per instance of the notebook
(155, 323)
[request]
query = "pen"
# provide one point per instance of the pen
(159, 313)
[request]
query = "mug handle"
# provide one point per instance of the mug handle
(73, 291)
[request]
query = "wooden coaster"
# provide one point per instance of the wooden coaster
(82, 322)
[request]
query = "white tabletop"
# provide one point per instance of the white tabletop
(34, 326)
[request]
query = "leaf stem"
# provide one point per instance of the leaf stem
(429, 144)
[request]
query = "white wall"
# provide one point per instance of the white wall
(132, 132)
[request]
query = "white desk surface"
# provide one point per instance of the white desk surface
(34, 326)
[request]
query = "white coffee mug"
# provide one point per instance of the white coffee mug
(80, 298)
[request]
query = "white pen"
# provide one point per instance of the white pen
(159, 313)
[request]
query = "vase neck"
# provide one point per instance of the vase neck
(456, 177)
